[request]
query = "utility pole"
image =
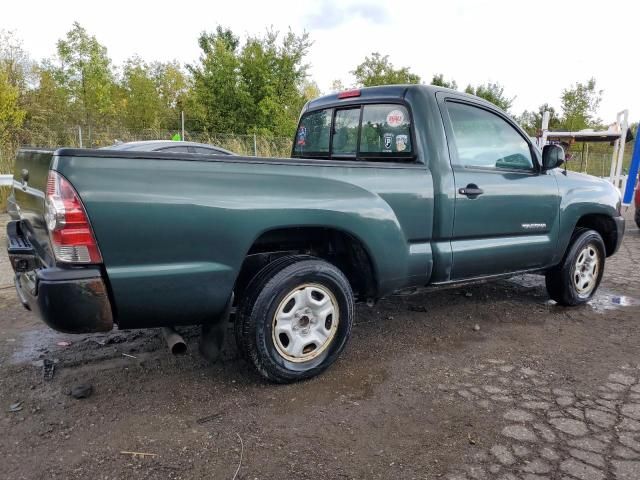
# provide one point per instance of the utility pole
(182, 121)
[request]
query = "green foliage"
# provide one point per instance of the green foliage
(492, 92)
(531, 121)
(142, 105)
(257, 87)
(13, 75)
(48, 104)
(579, 105)
(152, 94)
(439, 80)
(14, 61)
(11, 115)
(85, 71)
(378, 70)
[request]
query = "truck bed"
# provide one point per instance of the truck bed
(174, 229)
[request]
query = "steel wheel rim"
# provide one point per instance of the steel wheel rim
(305, 322)
(586, 270)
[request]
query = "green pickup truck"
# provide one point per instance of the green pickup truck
(387, 188)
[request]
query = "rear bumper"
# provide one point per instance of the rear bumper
(68, 300)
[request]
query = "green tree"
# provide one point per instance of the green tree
(579, 105)
(14, 60)
(378, 70)
(142, 105)
(257, 87)
(11, 115)
(310, 90)
(531, 121)
(14, 65)
(85, 71)
(217, 102)
(439, 80)
(47, 102)
(492, 92)
(173, 85)
(273, 72)
(153, 94)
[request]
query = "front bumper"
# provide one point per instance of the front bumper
(620, 225)
(68, 300)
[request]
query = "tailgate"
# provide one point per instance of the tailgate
(29, 188)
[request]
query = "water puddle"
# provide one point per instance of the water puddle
(606, 301)
(37, 344)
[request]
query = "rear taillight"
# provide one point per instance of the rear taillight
(71, 236)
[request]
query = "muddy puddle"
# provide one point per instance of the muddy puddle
(607, 301)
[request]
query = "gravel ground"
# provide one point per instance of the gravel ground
(535, 392)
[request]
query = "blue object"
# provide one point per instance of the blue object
(633, 171)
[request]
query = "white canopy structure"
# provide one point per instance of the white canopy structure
(616, 134)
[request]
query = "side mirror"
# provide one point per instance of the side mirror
(552, 157)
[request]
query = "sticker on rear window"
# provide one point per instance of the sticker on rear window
(401, 142)
(302, 135)
(388, 140)
(395, 118)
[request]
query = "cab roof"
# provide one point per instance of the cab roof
(383, 92)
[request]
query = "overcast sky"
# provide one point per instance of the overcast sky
(534, 53)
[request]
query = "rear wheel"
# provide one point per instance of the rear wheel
(637, 216)
(295, 318)
(575, 280)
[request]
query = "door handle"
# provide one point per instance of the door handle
(471, 190)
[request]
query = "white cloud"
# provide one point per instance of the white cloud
(331, 13)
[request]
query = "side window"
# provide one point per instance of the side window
(345, 132)
(385, 131)
(207, 151)
(179, 149)
(483, 139)
(370, 132)
(314, 132)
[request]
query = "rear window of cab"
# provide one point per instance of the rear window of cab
(368, 132)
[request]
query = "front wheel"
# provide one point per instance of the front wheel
(575, 280)
(295, 318)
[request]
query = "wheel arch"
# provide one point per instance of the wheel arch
(604, 225)
(342, 248)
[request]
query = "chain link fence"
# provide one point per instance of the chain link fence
(247, 145)
(598, 164)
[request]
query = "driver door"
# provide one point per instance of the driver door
(506, 210)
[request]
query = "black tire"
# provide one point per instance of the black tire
(241, 311)
(263, 297)
(560, 280)
(637, 217)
